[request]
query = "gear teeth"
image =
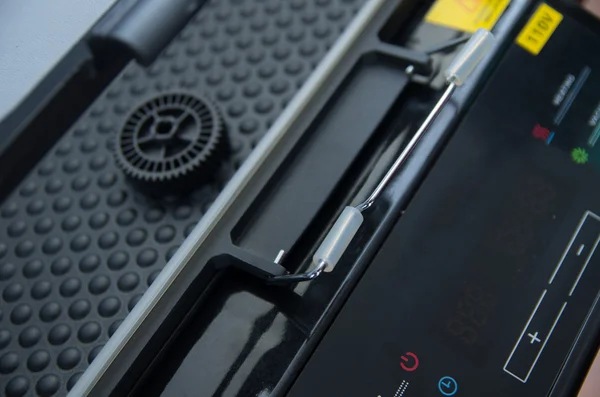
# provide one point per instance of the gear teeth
(171, 143)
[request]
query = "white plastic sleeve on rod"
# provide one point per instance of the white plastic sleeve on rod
(337, 240)
(480, 43)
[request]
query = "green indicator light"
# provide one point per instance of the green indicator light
(579, 155)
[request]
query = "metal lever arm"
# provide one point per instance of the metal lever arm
(348, 223)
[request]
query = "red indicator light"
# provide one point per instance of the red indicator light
(540, 132)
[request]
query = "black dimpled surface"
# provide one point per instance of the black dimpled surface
(78, 244)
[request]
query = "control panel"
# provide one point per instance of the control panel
(487, 282)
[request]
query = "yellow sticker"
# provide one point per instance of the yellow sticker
(466, 15)
(539, 29)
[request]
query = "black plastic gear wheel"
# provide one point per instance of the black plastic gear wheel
(172, 143)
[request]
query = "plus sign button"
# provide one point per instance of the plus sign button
(447, 386)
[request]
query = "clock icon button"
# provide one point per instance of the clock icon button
(448, 386)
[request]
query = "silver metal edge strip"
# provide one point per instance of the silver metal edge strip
(231, 191)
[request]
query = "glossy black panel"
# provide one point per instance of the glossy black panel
(488, 282)
(230, 347)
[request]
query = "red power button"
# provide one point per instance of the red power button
(410, 362)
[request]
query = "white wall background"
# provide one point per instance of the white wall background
(34, 35)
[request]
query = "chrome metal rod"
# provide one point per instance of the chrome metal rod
(448, 45)
(408, 149)
(297, 278)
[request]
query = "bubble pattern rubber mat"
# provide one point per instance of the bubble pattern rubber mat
(79, 244)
